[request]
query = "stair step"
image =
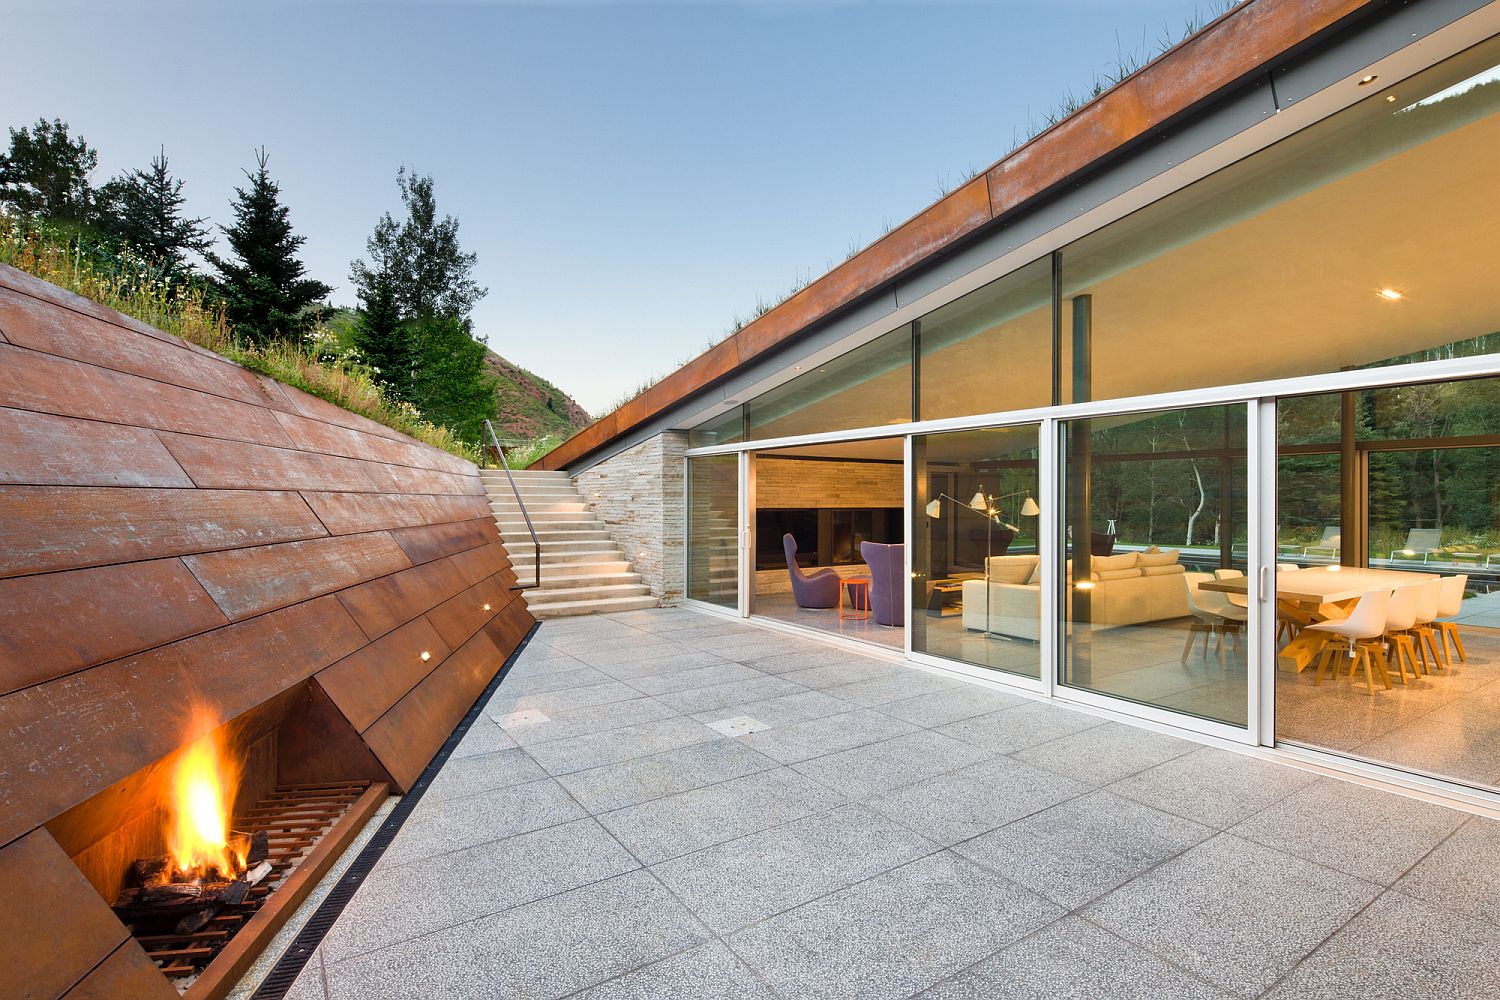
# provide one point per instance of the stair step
(568, 568)
(520, 474)
(566, 579)
(523, 555)
(574, 507)
(602, 607)
(556, 595)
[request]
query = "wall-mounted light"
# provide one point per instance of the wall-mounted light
(426, 656)
(486, 607)
(1084, 585)
(1390, 294)
(1365, 81)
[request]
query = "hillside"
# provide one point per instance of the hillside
(530, 406)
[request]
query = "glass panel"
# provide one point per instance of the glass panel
(1419, 502)
(957, 613)
(713, 529)
(1365, 240)
(869, 386)
(1154, 514)
(990, 350)
(726, 428)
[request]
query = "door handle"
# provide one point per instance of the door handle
(1265, 584)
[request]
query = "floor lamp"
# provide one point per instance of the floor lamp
(989, 506)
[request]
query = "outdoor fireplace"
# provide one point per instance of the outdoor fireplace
(205, 854)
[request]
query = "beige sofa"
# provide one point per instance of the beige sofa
(1128, 589)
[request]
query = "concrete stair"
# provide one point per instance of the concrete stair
(584, 571)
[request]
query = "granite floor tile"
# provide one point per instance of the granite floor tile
(878, 767)
(1073, 960)
(1082, 848)
(965, 803)
(1401, 948)
(816, 737)
(399, 902)
(582, 675)
(849, 670)
(680, 658)
(785, 663)
(630, 782)
(1352, 828)
(668, 681)
(580, 753)
(557, 946)
(452, 824)
(679, 824)
(441, 964)
(708, 699)
(1107, 753)
(962, 702)
(484, 736)
(737, 883)
(583, 721)
(1449, 877)
(783, 710)
(894, 934)
(1212, 786)
(708, 972)
(894, 687)
(469, 775)
(562, 700)
(1233, 912)
(1017, 728)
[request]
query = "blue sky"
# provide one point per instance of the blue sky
(632, 175)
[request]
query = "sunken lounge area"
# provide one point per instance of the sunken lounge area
(234, 621)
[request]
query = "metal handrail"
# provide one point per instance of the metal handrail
(535, 542)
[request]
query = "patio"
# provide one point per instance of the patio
(668, 804)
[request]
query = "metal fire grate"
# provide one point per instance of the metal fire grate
(295, 818)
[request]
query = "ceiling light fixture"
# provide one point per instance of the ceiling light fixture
(1390, 98)
(1390, 295)
(1365, 81)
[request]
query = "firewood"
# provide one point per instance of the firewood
(144, 871)
(196, 920)
(260, 848)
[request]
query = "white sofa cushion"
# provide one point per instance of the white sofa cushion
(1012, 569)
(1156, 557)
(1105, 564)
(1175, 569)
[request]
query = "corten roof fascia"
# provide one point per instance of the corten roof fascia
(1226, 51)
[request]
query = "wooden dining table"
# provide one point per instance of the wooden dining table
(1318, 594)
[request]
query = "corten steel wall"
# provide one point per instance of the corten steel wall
(176, 531)
(1222, 55)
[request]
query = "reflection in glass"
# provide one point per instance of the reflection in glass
(713, 529)
(975, 514)
(1154, 510)
(726, 428)
(1394, 487)
(867, 387)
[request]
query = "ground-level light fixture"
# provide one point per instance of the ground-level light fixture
(1391, 294)
(486, 607)
(1365, 81)
(426, 656)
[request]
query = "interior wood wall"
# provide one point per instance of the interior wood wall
(178, 533)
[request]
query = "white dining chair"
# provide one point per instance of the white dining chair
(1204, 621)
(1231, 617)
(1450, 605)
(1424, 629)
(1400, 616)
(1238, 600)
(1364, 624)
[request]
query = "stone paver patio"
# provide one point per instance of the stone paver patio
(663, 804)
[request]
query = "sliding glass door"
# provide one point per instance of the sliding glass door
(713, 530)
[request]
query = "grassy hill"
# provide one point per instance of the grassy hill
(530, 407)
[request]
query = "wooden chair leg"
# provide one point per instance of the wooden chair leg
(1449, 632)
(1194, 627)
(1395, 648)
(1362, 656)
(1380, 666)
(1428, 637)
(1325, 658)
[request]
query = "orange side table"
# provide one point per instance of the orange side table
(857, 587)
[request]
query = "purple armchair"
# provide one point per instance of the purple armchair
(810, 590)
(887, 571)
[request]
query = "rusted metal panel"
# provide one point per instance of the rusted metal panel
(477, 564)
(56, 623)
(406, 737)
(458, 618)
(54, 927)
(246, 582)
(346, 513)
(43, 327)
(235, 465)
(433, 541)
(41, 449)
(713, 364)
(383, 604)
(319, 409)
(364, 684)
(49, 528)
(316, 743)
(510, 626)
(404, 479)
(72, 737)
(127, 972)
(334, 439)
(20, 281)
(44, 383)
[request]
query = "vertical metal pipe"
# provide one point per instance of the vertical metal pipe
(1351, 528)
(1080, 454)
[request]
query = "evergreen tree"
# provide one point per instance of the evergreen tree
(45, 174)
(144, 208)
(384, 341)
(451, 384)
(266, 294)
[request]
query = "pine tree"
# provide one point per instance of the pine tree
(451, 384)
(265, 293)
(384, 341)
(144, 208)
(45, 174)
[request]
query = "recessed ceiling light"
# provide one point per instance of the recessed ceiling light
(1390, 294)
(1365, 81)
(1390, 98)
(796, 368)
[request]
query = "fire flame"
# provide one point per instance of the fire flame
(198, 810)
